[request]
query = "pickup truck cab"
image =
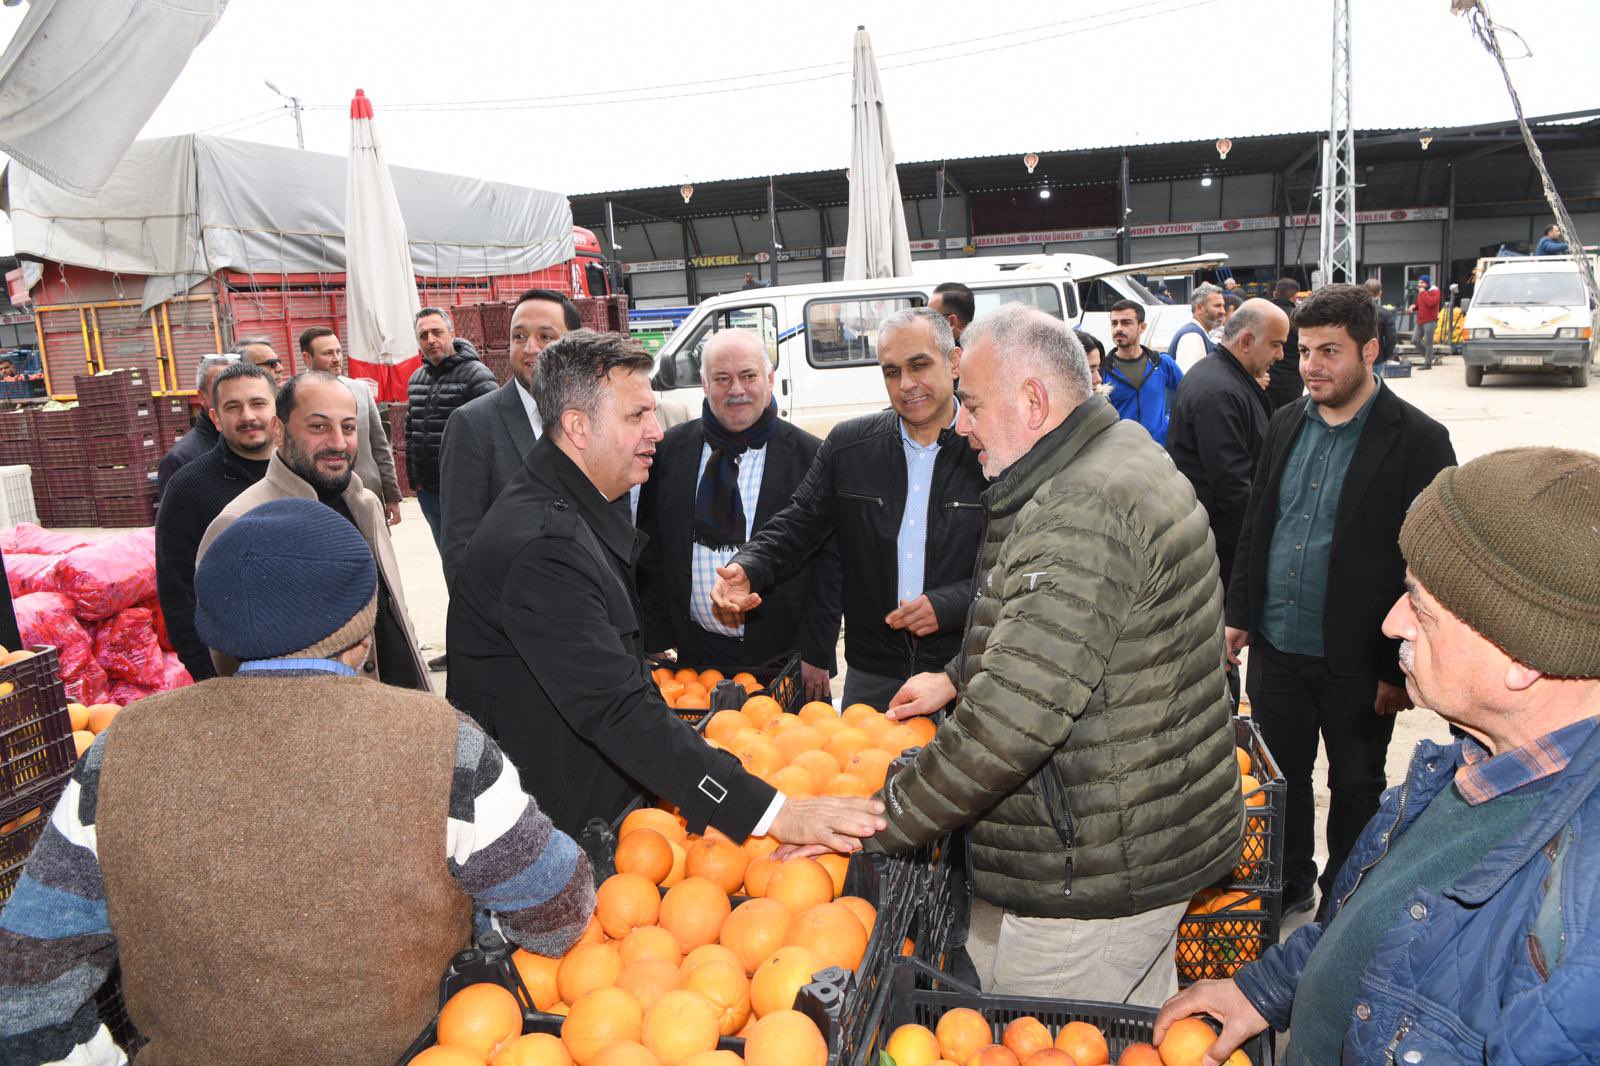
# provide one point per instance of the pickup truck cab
(822, 338)
(1530, 314)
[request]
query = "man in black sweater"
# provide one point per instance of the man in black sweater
(242, 409)
(1286, 385)
(202, 435)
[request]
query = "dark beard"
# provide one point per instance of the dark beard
(305, 468)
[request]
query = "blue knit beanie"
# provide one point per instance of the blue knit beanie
(289, 579)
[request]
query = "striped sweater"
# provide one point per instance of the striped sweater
(57, 945)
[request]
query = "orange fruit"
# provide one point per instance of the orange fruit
(598, 1019)
(1248, 785)
(680, 863)
(685, 675)
(748, 680)
(758, 875)
(82, 738)
(693, 701)
(913, 1045)
(538, 974)
(923, 727)
(837, 866)
(819, 764)
(776, 981)
(785, 1038)
(800, 883)
(480, 1018)
(850, 785)
(644, 852)
(679, 1025)
(845, 743)
(1242, 757)
(671, 690)
(693, 911)
(874, 727)
(592, 933)
(816, 710)
(586, 968)
(780, 724)
(626, 1053)
(648, 979)
(653, 818)
(898, 738)
(532, 1049)
(660, 674)
(1026, 1035)
(871, 765)
(624, 902)
(709, 678)
(760, 710)
(759, 847)
(79, 714)
(1186, 1042)
(17, 656)
(1056, 1057)
(961, 1032)
(440, 1055)
(828, 727)
(793, 781)
(797, 738)
(726, 988)
(993, 1055)
(725, 725)
(100, 716)
(1140, 1055)
(858, 712)
(756, 754)
(650, 942)
(709, 953)
(832, 932)
(865, 912)
(713, 1058)
(754, 930)
(1085, 1043)
(719, 861)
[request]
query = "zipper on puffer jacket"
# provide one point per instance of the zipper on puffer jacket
(1053, 792)
(1394, 1043)
(972, 605)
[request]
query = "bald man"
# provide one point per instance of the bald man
(718, 479)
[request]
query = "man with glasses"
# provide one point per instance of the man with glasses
(258, 350)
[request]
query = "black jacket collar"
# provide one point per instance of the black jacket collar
(607, 518)
(235, 465)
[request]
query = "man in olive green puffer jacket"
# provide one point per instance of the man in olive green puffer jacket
(1091, 747)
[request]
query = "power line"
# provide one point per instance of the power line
(244, 118)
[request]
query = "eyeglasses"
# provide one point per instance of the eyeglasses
(273, 363)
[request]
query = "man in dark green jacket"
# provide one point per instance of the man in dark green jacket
(1091, 748)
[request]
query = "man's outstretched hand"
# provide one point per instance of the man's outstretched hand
(1223, 1001)
(732, 592)
(921, 694)
(834, 823)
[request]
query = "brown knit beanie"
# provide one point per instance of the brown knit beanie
(1510, 544)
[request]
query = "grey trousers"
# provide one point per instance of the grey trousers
(1108, 960)
(1422, 337)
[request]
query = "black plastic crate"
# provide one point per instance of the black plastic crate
(915, 993)
(943, 905)
(55, 425)
(1215, 944)
(779, 678)
(113, 1014)
(35, 730)
(22, 822)
(133, 417)
(63, 513)
(114, 388)
(1261, 860)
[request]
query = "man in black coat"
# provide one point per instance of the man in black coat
(485, 440)
(450, 376)
(1220, 415)
(1317, 568)
(202, 435)
(1286, 384)
(1388, 328)
(717, 480)
(900, 490)
(243, 399)
(545, 645)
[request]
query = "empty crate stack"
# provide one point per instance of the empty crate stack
(120, 432)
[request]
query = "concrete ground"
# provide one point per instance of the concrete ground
(1506, 411)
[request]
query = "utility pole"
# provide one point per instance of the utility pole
(1337, 261)
(294, 106)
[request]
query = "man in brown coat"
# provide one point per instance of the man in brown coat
(316, 432)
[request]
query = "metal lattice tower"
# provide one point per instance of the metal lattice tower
(1338, 245)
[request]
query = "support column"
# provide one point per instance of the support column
(1449, 226)
(611, 255)
(826, 234)
(939, 181)
(691, 292)
(772, 231)
(1124, 242)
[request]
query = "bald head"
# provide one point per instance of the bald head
(1256, 334)
(737, 376)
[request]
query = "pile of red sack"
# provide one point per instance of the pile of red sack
(94, 598)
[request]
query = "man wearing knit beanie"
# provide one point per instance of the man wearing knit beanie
(336, 833)
(1464, 926)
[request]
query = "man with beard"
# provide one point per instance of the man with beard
(450, 376)
(374, 457)
(485, 440)
(1317, 567)
(316, 433)
(1193, 342)
(241, 409)
(716, 481)
(1143, 382)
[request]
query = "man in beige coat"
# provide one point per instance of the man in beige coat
(316, 434)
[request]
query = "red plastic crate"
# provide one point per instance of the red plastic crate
(69, 483)
(63, 453)
(141, 448)
(496, 325)
(55, 425)
(131, 481)
(468, 319)
(35, 730)
(126, 420)
(172, 411)
(17, 425)
(60, 513)
(19, 453)
(115, 389)
(126, 512)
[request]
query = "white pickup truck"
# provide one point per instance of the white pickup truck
(1530, 314)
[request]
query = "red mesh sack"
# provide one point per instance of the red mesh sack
(110, 576)
(159, 620)
(36, 540)
(123, 693)
(31, 573)
(47, 618)
(173, 673)
(126, 647)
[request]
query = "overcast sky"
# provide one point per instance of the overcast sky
(695, 90)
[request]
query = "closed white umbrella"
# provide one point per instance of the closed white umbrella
(380, 286)
(877, 245)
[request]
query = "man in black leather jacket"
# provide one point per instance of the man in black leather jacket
(450, 375)
(899, 489)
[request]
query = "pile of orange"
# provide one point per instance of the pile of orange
(963, 1037)
(89, 722)
(1255, 835)
(691, 690)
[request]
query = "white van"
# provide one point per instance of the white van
(1530, 314)
(822, 338)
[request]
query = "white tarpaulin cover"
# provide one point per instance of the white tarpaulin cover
(877, 245)
(380, 285)
(79, 80)
(181, 208)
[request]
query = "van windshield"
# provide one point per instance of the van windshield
(1519, 290)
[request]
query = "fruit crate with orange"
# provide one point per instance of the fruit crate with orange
(22, 820)
(1223, 930)
(928, 1013)
(943, 903)
(777, 678)
(1260, 866)
(36, 744)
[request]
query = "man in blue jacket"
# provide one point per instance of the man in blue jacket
(1462, 928)
(1551, 243)
(1143, 381)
